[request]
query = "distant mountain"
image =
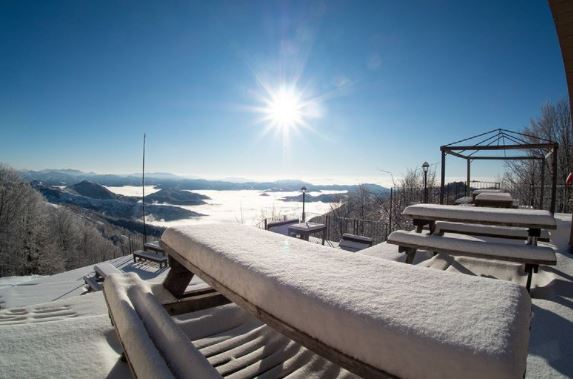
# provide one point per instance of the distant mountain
(122, 207)
(325, 198)
(176, 197)
(92, 190)
(169, 181)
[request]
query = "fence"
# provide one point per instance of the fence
(399, 198)
(337, 226)
(531, 196)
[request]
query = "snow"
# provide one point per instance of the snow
(501, 231)
(250, 207)
(480, 191)
(499, 216)
(407, 320)
(466, 245)
(73, 337)
(494, 196)
(70, 338)
(134, 191)
(156, 346)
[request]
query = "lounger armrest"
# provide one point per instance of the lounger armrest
(155, 346)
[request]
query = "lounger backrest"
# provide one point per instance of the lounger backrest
(146, 361)
(152, 340)
(400, 319)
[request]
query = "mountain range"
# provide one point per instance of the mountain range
(68, 177)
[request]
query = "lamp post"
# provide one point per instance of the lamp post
(425, 167)
(303, 189)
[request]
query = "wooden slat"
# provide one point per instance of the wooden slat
(196, 303)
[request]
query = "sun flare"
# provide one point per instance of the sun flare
(285, 108)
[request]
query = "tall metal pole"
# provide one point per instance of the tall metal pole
(468, 174)
(143, 193)
(391, 209)
(542, 192)
(443, 179)
(554, 179)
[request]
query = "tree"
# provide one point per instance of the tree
(524, 177)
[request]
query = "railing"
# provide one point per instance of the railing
(393, 205)
(531, 196)
(337, 226)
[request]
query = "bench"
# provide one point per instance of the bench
(337, 305)
(493, 199)
(529, 255)
(153, 245)
(442, 227)
(148, 256)
(101, 271)
(92, 283)
(475, 193)
(353, 242)
(281, 227)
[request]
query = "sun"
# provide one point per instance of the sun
(284, 108)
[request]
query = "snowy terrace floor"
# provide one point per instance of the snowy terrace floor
(51, 328)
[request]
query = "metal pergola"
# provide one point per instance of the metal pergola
(485, 146)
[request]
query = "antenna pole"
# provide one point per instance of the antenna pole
(143, 193)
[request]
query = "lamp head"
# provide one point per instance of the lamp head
(303, 189)
(425, 166)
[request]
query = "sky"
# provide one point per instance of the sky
(363, 89)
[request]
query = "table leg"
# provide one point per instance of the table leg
(177, 279)
(533, 235)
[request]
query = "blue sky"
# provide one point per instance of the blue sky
(388, 82)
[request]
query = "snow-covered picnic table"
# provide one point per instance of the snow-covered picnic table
(494, 199)
(431, 214)
(374, 317)
(305, 229)
(532, 219)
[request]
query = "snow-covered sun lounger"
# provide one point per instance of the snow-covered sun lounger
(374, 317)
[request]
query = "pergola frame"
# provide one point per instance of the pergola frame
(503, 140)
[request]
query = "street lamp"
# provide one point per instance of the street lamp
(425, 167)
(303, 189)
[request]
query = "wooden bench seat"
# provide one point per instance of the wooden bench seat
(531, 256)
(487, 230)
(154, 245)
(92, 283)
(353, 242)
(101, 271)
(148, 256)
